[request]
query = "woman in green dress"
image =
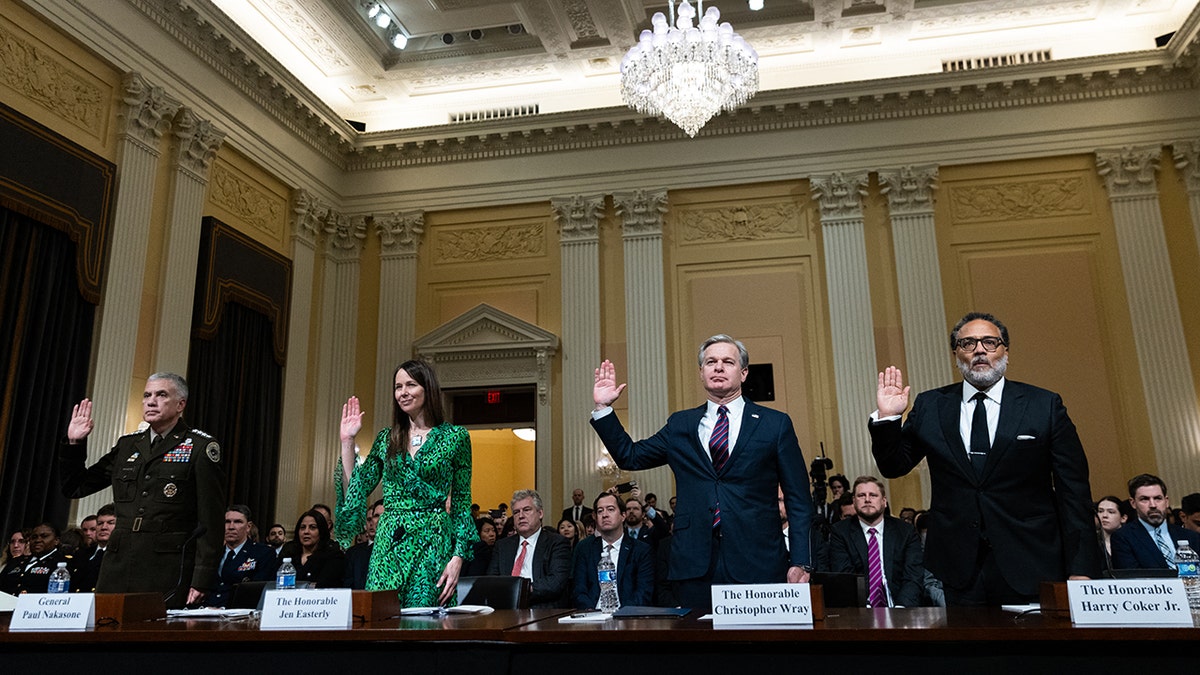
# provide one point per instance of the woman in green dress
(425, 533)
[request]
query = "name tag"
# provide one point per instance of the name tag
(306, 608)
(743, 604)
(1128, 602)
(54, 611)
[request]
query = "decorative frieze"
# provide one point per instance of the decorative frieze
(40, 76)
(247, 201)
(1019, 199)
(778, 220)
(480, 244)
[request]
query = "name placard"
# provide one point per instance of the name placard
(1128, 602)
(776, 604)
(307, 608)
(54, 611)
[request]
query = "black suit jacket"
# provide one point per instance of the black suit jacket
(901, 549)
(1032, 503)
(551, 567)
(358, 563)
(1134, 548)
(635, 573)
(255, 562)
(569, 512)
(767, 455)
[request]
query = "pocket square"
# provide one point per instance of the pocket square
(1023, 437)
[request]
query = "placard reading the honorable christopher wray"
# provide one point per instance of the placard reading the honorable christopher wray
(323, 608)
(761, 604)
(54, 611)
(1128, 602)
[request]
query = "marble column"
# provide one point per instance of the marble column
(840, 198)
(1187, 160)
(399, 237)
(1129, 176)
(909, 193)
(641, 213)
(578, 218)
(196, 143)
(308, 215)
(344, 239)
(146, 113)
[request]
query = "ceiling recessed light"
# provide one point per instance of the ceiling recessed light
(383, 20)
(373, 10)
(399, 40)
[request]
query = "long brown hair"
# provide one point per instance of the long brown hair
(433, 410)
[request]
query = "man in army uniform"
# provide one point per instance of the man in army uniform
(168, 490)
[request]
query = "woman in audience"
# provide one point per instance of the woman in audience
(16, 554)
(571, 530)
(425, 535)
(482, 549)
(1110, 518)
(317, 558)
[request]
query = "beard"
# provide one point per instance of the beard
(983, 379)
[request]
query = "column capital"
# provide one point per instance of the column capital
(146, 109)
(578, 217)
(346, 236)
(400, 233)
(1129, 171)
(641, 211)
(196, 143)
(840, 194)
(308, 216)
(1187, 160)
(909, 189)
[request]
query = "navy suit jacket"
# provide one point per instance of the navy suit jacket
(1134, 548)
(358, 564)
(1032, 503)
(901, 556)
(635, 573)
(766, 456)
(255, 562)
(551, 567)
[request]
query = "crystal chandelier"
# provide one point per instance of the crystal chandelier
(686, 73)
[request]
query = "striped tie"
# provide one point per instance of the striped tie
(875, 596)
(718, 448)
(1164, 548)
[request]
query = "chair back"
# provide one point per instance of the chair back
(499, 592)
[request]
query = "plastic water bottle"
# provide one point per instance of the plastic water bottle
(606, 572)
(285, 577)
(60, 579)
(1187, 564)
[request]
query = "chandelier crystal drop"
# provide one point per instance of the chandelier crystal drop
(686, 73)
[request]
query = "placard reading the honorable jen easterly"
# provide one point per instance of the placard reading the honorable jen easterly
(324, 608)
(761, 604)
(1128, 602)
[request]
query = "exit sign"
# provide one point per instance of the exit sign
(493, 397)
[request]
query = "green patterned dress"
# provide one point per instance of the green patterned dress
(415, 537)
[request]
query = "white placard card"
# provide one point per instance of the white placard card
(775, 604)
(307, 608)
(54, 611)
(1128, 602)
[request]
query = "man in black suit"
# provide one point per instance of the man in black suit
(242, 559)
(537, 553)
(1150, 542)
(358, 556)
(635, 521)
(634, 559)
(900, 575)
(728, 456)
(577, 510)
(89, 563)
(1011, 504)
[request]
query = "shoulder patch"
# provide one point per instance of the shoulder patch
(213, 451)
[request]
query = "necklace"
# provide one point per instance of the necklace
(417, 441)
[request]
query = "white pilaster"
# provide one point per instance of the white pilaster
(399, 238)
(1129, 175)
(196, 143)
(840, 197)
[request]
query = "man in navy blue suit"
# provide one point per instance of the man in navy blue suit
(1147, 542)
(901, 576)
(242, 559)
(728, 456)
(633, 558)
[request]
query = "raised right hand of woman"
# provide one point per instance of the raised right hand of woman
(352, 417)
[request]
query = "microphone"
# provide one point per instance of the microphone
(197, 532)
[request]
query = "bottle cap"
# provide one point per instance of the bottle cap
(287, 560)
(62, 564)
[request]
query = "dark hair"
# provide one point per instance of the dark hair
(578, 534)
(378, 502)
(977, 316)
(53, 528)
(323, 538)
(1190, 503)
(839, 478)
(106, 510)
(433, 410)
(71, 540)
(847, 499)
(242, 509)
(87, 518)
(479, 523)
(275, 525)
(596, 504)
(1144, 480)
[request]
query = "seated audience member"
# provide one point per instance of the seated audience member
(317, 558)
(1190, 505)
(241, 558)
(325, 511)
(908, 514)
(885, 549)
(537, 553)
(358, 557)
(635, 525)
(12, 563)
(567, 528)
(44, 556)
(843, 507)
(88, 527)
(933, 595)
(1110, 519)
(482, 554)
(276, 537)
(634, 560)
(589, 525)
(72, 541)
(89, 561)
(1149, 543)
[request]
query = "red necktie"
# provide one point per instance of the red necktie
(516, 570)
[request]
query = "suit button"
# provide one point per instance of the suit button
(974, 524)
(142, 510)
(145, 494)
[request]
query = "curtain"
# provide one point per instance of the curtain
(44, 360)
(237, 396)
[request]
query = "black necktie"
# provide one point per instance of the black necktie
(980, 441)
(228, 568)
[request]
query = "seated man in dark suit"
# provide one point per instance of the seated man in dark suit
(897, 578)
(242, 559)
(635, 520)
(358, 556)
(537, 553)
(634, 559)
(89, 562)
(1150, 542)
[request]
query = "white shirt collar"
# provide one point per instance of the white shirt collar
(995, 393)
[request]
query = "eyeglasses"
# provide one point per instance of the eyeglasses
(990, 344)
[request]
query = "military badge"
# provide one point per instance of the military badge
(170, 490)
(214, 452)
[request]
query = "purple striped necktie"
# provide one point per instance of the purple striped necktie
(875, 595)
(718, 448)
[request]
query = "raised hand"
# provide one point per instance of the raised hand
(606, 391)
(892, 396)
(352, 417)
(81, 422)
